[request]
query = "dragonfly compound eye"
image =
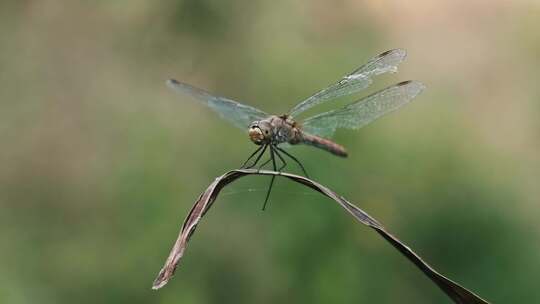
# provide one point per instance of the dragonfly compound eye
(256, 135)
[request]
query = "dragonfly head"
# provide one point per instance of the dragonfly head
(260, 132)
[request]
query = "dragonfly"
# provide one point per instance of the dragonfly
(276, 132)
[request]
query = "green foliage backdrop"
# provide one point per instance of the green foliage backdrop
(100, 162)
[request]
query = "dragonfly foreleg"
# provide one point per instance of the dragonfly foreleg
(258, 157)
(294, 159)
(273, 177)
(251, 156)
(265, 163)
(283, 162)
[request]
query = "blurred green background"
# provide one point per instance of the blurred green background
(100, 161)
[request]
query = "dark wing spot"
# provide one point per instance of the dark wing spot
(385, 53)
(403, 83)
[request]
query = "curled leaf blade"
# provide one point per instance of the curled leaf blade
(456, 292)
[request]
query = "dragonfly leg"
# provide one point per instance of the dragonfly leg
(273, 177)
(265, 163)
(251, 156)
(283, 162)
(294, 159)
(258, 158)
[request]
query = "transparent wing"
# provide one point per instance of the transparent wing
(364, 111)
(357, 80)
(238, 114)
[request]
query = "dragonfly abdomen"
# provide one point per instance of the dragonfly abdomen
(323, 143)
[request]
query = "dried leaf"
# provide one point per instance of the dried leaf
(453, 290)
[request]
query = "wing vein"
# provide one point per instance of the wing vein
(363, 111)
(355, 81)
(240, 115)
